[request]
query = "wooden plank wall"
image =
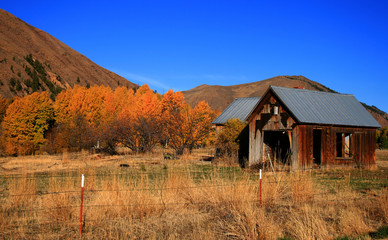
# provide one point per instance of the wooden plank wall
(363, 145)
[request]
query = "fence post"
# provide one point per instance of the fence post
(260, 189)
(82, 203)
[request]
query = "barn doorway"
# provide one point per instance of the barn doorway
(277, 144)
(317, 145)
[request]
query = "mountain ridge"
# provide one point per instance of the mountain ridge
(25, 49)
(219, 97)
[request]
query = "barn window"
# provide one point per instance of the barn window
(343, 145)
(275, 110)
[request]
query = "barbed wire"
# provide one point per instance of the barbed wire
(162, 171)
(49, 209)
(252, 183)
(127, 174)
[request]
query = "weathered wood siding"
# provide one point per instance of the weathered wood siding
(263, 121)
(362, 145)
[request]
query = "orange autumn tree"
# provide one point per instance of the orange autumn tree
(98, 118)
(200, 124)
(79, 114)
(173, 120)
(26, 122)
(72, 130)
(110, 127)
(185, 127)
(147, 118)
(125, 127)
(139, 127)
(94, 103)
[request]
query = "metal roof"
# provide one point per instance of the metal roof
(325, 108)
(240, 108)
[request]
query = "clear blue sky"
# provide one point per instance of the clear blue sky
(183, 44)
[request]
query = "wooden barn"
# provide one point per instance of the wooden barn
(304, 128)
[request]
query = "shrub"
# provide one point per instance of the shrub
(382, 138)
(18, 86)
(12, 82)
(226, 140)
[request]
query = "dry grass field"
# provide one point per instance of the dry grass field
(154, 198)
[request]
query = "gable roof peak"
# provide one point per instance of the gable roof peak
(316, 107)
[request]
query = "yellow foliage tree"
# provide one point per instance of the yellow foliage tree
(185, 127)
(173, 120)
(227, 139)
(80, 113)
(202, 117)
(26, 122)
(139, 122)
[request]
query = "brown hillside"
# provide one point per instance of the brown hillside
(32, 60)
(219, 97)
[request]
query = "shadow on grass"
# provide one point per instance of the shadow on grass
(381, 233)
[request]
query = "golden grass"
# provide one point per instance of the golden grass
(173, 202)
(382, 155)
(179, 206)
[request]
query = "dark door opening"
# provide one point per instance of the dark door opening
(317, 144)
(279, 145)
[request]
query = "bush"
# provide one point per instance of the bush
(18, 86)
(381, 233)
(226, 140)
(382, 138)
(12, 82)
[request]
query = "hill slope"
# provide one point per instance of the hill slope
(219, 97)
(32, 60)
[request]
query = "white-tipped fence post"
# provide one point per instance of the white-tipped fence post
(260, 189)
(82, 202)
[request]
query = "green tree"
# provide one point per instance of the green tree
(226, 140)
(382, 138)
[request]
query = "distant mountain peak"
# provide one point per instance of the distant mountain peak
(219, 97)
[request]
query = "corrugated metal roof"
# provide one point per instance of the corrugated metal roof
(240, 108)
(325, 108)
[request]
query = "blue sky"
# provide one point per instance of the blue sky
(183, 44)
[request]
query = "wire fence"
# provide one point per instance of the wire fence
(7, 212)
(161, 172)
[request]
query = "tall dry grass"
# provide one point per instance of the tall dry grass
(176, 205)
